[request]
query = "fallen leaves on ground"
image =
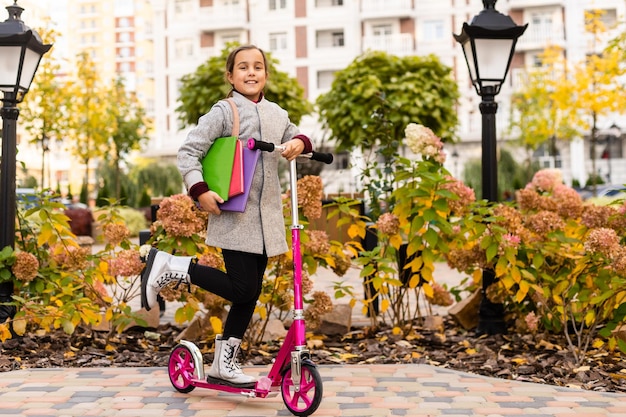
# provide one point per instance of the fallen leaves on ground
(544, 360)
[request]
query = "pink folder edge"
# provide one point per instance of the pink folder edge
(239, 202)
(236, 181)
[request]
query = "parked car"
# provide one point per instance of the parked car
(605, 193)
(26, 197)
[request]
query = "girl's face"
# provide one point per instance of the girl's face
(249, 73)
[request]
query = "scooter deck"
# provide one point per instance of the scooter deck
(262, 389)
(217, 381)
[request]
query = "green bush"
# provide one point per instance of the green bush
(134, 219)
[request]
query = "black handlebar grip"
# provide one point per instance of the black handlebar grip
(259, 144)
(326, 158)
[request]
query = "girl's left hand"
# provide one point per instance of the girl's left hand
(293, 148)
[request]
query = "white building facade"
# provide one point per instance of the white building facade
(312, 39)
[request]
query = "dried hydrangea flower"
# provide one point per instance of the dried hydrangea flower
(388, 224)
(115, 233)
(25, 267)
(126, 263)
(180, 217)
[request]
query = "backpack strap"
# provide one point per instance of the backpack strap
(235, 131)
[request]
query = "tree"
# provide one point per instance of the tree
(539, 115)
(42, 109)
(511, 176)
(414, 89)
(373, 100)
(131, 129)
(92, 122)
(200, 90)
(562, 100)
(598, 89)
(158, 179)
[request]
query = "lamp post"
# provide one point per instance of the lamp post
(44, 148)
(614, 134)
(455, 160)
(21, 50)
(488, 43)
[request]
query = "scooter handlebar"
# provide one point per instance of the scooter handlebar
(254, 144)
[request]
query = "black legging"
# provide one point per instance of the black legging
(241, 285)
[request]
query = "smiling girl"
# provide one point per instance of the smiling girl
(247, 239)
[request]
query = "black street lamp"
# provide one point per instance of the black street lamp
(21, 50)
(44, 148)
(488, 45)
(455, 161)
(614, 134)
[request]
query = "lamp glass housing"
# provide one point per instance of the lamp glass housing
(491, 67)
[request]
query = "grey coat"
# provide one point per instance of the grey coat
(262, 225)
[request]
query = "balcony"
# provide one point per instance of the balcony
(538, 37)
(378, 9)
(522, 4)
(223, 17)
(400, 44)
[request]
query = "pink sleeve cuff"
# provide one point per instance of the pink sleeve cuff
(308, 147)
(198, 189)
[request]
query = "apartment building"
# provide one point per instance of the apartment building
(153, 43)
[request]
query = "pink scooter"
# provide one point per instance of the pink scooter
(292, 372)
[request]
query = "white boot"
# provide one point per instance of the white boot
(227, 371)
(213, 370)
(162, 269)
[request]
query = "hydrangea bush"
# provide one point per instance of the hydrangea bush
(560, 264)
(60, 284)
(422, 207)
(181, 229)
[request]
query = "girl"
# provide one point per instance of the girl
(247, 239)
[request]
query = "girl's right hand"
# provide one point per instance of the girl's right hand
(209, 202)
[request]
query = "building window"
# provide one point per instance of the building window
(608, 17)
(541, 22)
(278, 41)
(546, 158)
(182, 6)
(382, 30)
(278, 4)
(325, 79)
(338, 39)
(433, 30)
(183, 48)
(230, 39)
(329, 39)
(608, 147)
(328, 3)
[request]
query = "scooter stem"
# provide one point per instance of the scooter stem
(298, 304)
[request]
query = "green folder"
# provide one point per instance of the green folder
(217, 165)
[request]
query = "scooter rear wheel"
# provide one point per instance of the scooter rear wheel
(305, 401)
(181, 368)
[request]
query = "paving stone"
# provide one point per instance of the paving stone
(351, 390)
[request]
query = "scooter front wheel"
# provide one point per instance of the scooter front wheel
(305, 401)
(181, 369)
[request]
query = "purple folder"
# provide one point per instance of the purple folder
(238, 202)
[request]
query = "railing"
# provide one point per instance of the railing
(400, 44)
(541, 36)
(520, 4)
(386, 8)
(223, 17)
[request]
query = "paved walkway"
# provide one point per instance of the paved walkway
(354, 390)
(351, 390)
